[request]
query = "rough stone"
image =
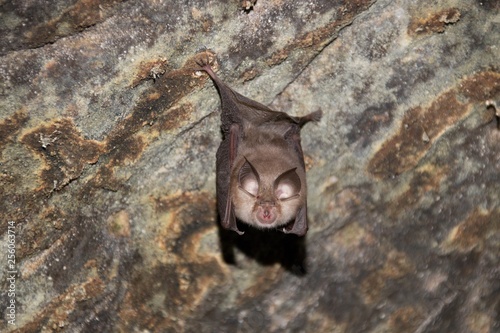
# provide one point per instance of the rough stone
(107, 166)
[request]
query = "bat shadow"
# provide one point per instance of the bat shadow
(266, 247)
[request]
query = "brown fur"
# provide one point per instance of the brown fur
(269, 141)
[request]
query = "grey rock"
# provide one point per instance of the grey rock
(107, 168)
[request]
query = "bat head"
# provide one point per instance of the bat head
(265, 200)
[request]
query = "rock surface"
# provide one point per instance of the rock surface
(107, 166)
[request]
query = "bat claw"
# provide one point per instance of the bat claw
(314, 116)
(205, 63)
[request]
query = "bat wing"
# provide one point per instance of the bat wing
(257, 113)
(292, 136)
(253, 112)
(299, 226)
(237, 108)
(225, 159)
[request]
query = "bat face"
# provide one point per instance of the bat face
(266, 198)
(260, 165)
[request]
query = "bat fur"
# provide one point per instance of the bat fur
(261, 178)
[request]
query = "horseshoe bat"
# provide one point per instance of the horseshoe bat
(261, 178)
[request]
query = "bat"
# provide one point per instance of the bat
(261, 177)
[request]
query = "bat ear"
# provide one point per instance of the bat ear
(287, 185)
(248, 179)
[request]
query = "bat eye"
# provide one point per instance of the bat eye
(250, 186)
(248, 179)
(287, 185)
(285, 191)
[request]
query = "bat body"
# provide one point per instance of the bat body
(261, 177)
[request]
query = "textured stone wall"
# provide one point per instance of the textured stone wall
(107, 166)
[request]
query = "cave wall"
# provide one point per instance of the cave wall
(107, 167)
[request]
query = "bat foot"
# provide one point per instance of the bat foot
(207, 68)
(314, 116)
(205, 61)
